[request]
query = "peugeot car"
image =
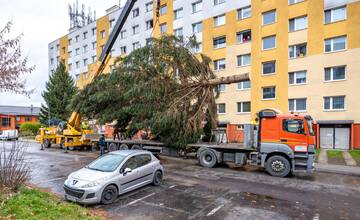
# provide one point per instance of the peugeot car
(113, 174)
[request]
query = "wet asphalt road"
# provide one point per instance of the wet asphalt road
(193, 192)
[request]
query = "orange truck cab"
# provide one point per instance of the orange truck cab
(281, 143)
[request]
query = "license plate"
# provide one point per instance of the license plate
(71, 198)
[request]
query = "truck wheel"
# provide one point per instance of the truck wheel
(47, 143)
(136, 147)
(71, 148)
(278, 166)
(124, 147)
(207, 158)
(112, 147)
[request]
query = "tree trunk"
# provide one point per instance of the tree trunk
(229, 79)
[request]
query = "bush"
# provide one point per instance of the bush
(14, 170)
(29, 129)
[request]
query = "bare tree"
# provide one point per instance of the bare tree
(12, 64)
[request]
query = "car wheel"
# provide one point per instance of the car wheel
(207, 158)
(157, 178)
(278, 166)
(112, 147)
(124, 147)
(136, 147)
(109, 194)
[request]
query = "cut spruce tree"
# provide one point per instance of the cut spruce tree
(59, 90)
(162, 87)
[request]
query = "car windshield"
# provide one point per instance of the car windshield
(106, 163)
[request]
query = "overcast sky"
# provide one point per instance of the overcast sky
(41, 22)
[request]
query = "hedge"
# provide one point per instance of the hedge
(29, 128)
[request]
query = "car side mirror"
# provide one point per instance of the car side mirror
(127, 170)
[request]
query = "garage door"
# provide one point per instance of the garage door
(342, 138)
(327, 138)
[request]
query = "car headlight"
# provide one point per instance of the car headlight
(95, 183)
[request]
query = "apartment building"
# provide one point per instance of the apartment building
(302, 55)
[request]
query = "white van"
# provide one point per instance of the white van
(9, 135)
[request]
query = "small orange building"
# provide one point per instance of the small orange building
(11, 117)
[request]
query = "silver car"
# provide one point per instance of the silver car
(113, 174)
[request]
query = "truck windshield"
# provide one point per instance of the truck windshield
(310, 123)
(107, 163)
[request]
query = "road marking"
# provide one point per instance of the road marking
(46, 181)
(137, 200)
(170, 187)
(215, 210)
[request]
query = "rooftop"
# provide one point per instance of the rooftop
(19, 110)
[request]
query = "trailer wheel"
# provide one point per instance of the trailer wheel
(278, 166)
(47, 143)
(136, 147)
(112, 147)
(71, 148)
(207, 158)
(124, 147)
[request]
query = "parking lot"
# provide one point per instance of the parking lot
(193, 192)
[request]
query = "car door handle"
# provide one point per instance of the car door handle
(283, 140)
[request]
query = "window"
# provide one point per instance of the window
(219, 20)
(335, 73)
(197, 27)
(70, 66)
(123, 34)
(57, 47)
(221, 109)
(57, 60)
(52, 61)
(163, 9)
(93, 59)
(149, 6)
(196, 6)
(299, 23)
(70, 54)
(149, 24)
(218, 2)
(243, 85)
(269, 42)
(335, 14)
(243, 13)
(297, 77)
(85, 61)
(85, 47)
(85, 34)
(268, 92)
(198, 47)
(219, 42)
(85, 75)
(219, 64)
(102, 33)
(136, 45)
(296, 51)
(77, 51)
(243, 37)
(77, 64)
(178, 13)
(5, 122)
(243, 107)
(293, 126)
(136, 12)
(334, 103)
(136, 29)
(93, 31)
(269, 17)
(297, 105)
(294, 1)
(268, 67)
(149, 41)
(221, 88)
(123, 50)
(70, 41)
(77, 76)
(244, 60)
(335, 44)
(94, 45)
(179, 33)
(163, 28)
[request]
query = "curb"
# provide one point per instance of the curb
(318, 168)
